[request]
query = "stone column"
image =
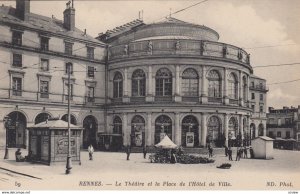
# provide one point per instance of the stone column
(150, 90)
(177, 84)
(241, 127)
(226, 99)
(126, 140)
(177, 129)
(265, 129)
(204, 86)
(204, 129)
(240, 88)
(125, 87)
(226, 128)
(149, 129)
(247, 90)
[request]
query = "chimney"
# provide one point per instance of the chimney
(69, 16)
(23, 9)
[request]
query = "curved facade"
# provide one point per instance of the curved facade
(181, 82)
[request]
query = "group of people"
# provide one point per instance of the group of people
(240, 152)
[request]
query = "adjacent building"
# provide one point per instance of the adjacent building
(35, 52)
(284, 123)
(129, 86)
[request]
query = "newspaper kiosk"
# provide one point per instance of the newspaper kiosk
(48, 142)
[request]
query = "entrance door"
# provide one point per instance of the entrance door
(17, 130)
(89, 132)
(38, 147)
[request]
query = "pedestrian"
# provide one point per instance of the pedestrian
(210, 151)
(245, 152)
(230, 153)
(226, 150)
(91, 151)
(19, 157)
(251, 152)
(145, 151)
(173, 158)
(128, 151)
(238, 154)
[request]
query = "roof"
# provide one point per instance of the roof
(166, 143)
(43, 23)
(54, 124)
(265, 138)
(166, 38)
(254, 76)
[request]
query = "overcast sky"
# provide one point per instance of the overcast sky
(248, 24)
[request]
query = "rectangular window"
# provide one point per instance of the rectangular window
(252, 84)
(17, 60)
(252, 96)
(261, 97)
(271, 134)
(90, 52)
(68, 48)
(71, 68)
(288, 134)
(17, 38)
(91, 72)
(44, 89)
(17, 86)
(44, 43)
(288, 121)
(90, 94)
(44, 65)
(66, 91)
(261, 109)
(278, 133)
(253, 108)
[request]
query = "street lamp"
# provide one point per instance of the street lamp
(69, 159)
(6, 122)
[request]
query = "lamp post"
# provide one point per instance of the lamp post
(69, 159)
(6, 122)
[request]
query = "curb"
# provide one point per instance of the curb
(23, 174)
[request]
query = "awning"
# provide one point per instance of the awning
(166, 143)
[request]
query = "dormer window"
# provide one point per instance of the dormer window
(68, 48)
(17, 38)
(90, 52)
(44, 43)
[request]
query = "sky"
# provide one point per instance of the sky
(267, 29)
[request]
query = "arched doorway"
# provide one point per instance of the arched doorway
(233, 134)
(17, 130)
(41, 118)
(137, 131)
(90, 131)
(260, 129)
(73, 119)
(215, 136)
(163, 127)
(252, 130)
(190, 131)
(117, 138)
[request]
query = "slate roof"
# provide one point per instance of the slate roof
(42, 23)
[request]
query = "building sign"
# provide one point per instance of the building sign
(190, 139)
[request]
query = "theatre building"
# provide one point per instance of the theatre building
(174, 78)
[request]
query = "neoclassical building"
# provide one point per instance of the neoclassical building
(174, 78)
(129, 86)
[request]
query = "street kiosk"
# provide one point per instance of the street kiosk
(263, 147)
(48, 142)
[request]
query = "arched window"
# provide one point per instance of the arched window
(73, 119)
(214, 84)
(245, 89)
(163, 82)
(138, 83)
(190, 131)
(41, 118)
(214, 131)
(232, 86)
(138, 131)
(190, 83)
(118, 85)
(90, 131)
(117, 125)
(163, 126)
